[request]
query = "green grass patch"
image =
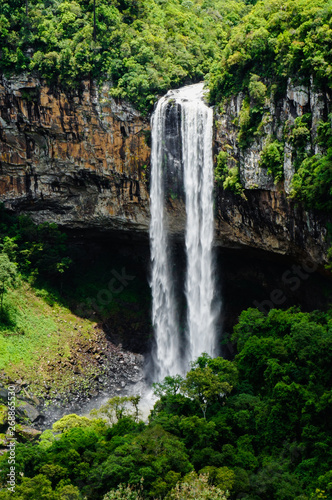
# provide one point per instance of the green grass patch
(34, 333)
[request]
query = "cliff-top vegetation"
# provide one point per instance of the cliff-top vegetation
(144, 47)
(275, 42)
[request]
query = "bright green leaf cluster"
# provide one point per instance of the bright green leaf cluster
(272, 158)
(228, 178)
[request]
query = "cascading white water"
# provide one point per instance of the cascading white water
(197, 126)
(164, 318)
(197, 164)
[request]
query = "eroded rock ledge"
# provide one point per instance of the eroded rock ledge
(268, 219)
(81, 159)
(76, 159)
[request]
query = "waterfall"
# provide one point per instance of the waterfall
(194, 157)
(197, 125)
(164, 318)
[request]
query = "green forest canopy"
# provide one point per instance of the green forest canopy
(144, 47)
(276, 40)
(259, 425)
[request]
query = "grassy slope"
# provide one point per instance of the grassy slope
(49, 336)
(37, 333)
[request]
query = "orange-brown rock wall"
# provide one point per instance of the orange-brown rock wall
(78, 158)
(81, 159)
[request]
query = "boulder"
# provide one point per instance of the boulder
(26, 410)
(3, 395)
(25, 433)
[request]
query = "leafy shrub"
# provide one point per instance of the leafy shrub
(312, 183)
(257, 90)
(249, 119)
(272, 158)
(300, 134)
(228, 178)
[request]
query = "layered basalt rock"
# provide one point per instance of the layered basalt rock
(78, 159)
(81, 159)
(265, 216)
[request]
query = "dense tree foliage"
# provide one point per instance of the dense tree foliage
(38, 250)
(265, 431)
(280, 40)
(276, 40)
(144, 47)
(312, 182)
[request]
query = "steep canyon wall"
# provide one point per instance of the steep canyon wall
(81, 159)
(76, 159)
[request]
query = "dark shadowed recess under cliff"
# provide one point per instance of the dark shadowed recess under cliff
(110, 284)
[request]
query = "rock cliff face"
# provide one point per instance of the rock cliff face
(265, 217)
(81, 160)
(78, 160)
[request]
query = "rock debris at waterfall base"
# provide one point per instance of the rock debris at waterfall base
(96, 368)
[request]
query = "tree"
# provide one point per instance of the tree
(40, 487)
(196, 488)
(170, 386)
(123, 493)
(70, 422)
(153, 454)
(37, 487)
(118, 408)
(68, 492)
(204, 386)
(223, 477)
(8, 274)
(10, 247)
